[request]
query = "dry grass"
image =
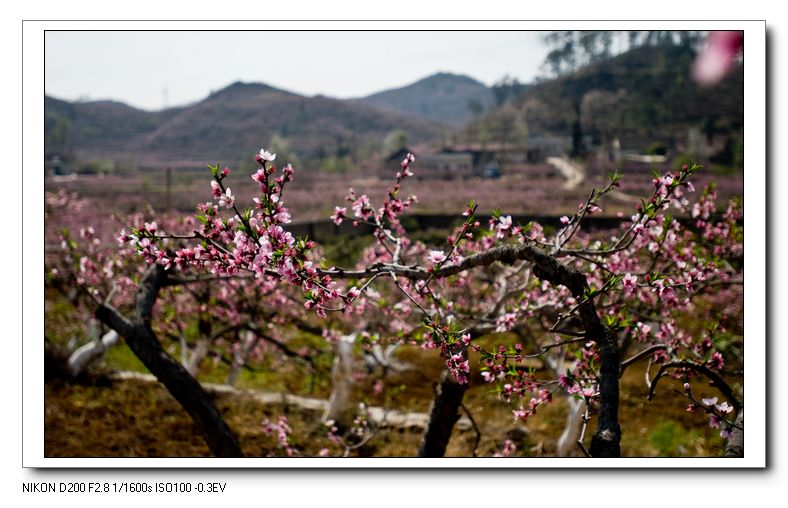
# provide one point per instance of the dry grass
(137, 419)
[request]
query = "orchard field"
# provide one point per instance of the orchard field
(491, 338)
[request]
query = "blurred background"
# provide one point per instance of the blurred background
(534, 119)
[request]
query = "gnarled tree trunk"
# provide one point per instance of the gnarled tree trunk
(444, 413)
(183, 386)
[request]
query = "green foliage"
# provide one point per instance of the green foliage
(396, 140)
(639, 94)
(656, 148)
(507, 88)
(671, 439)
(283, 149)
(335, 165)
(123, 359)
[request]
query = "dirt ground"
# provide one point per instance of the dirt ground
(131, 418)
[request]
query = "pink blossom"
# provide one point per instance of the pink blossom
(717, 361)
(508, 449)
(565, 382)
(259, 176)
(644, 330)
(339, 214)
(436, 256)
(503, 224)
(709, 402)
(506, 322)
(282, 216)
(123, 237)
(521, 413)
(227, 199)
(361, 207)
(717, 57)
(215, 189)
(265, 155)
(564, 220)
(630, 283)
(667, 180)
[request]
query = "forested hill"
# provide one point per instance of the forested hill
(228, 125)
(443, 97)
(646, 92)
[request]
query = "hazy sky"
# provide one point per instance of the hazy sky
(149, 69)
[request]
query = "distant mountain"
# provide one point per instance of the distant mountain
(98, 126)
(227, 126)
(644, 94)
(443, 97)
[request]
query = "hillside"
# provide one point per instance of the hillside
(96, 127)
(442, 97)
(644, 94)
(226, 126)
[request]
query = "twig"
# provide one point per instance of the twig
(716, 380)
(475, 428)
(583, 433)
(629, 361)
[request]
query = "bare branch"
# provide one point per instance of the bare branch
(716, 380)
(629, 361)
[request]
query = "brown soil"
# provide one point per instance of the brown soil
(138, 419)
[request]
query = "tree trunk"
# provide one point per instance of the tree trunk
(341, 408)
(567, 443)
(197, 355)
(606, 442)
(240, 356)
(90, 352)
(184, 388)
(735, 446)
(444, 413)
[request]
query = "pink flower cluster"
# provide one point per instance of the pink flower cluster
(544, 396)
(253, 241)
(282, 431)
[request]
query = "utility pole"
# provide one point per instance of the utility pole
(168, 184)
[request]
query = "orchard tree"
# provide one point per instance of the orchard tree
(585, 299)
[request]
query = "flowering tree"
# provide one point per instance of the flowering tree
(579, 300)
(585, 299)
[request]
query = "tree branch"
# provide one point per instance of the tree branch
(184, 388)
(716, 380)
